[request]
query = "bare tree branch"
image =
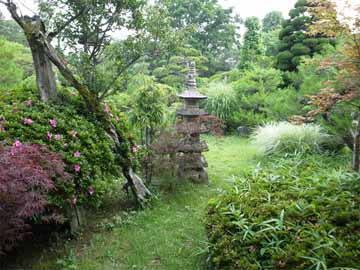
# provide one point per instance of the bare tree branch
(12, 8)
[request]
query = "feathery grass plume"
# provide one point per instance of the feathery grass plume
(284, 137)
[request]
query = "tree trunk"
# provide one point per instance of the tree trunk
(34, 31)
(45, 77)
(356, 146)
(137, 186)
(149, 164)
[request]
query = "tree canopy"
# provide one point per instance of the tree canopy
(214, 28)
(272, 21)
(295, 43)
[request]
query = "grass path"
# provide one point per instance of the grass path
(170, 234)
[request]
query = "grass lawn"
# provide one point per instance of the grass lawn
(168, 235)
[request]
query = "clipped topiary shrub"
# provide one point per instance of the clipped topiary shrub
(284, 137)
(295, 214)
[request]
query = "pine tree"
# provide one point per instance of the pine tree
(294, 41)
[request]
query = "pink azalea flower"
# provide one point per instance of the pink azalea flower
(134, 149)
(65, 145)
(28, 121)
(17, 144)
(77, 168)
(77, 154)
(73, 200)
(53, 123)
(14, 103)
(49, 135)
(74, 133)
(91, 190)
(2, 129)
(14, 111)
(57, 137)
(28, 103)
(106, 108)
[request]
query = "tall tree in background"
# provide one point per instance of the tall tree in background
(214, 28)
(271, 27)
(294, 42)
(272, 21)
(252, 45)
(11, 31)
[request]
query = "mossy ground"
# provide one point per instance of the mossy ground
(169, 235)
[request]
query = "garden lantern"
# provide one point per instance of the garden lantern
(192, 163)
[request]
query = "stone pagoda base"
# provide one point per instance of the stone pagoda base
(192, 167)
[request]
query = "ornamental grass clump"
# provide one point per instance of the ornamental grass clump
(221, 100)
(284, 137)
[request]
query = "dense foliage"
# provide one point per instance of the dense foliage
(11, 31)
(294, 213)
(87, 149)
(286, 80)
(251, 48)
(214, 28)
(295, 43)
(15, 63)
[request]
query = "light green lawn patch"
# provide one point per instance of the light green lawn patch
(170, 233)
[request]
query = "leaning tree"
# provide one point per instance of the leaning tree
(84, 28)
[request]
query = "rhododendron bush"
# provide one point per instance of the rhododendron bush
(28, 173)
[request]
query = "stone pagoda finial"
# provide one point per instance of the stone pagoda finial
(191, 77)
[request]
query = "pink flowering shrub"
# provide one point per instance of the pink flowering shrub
(27, 174)
(87, 150)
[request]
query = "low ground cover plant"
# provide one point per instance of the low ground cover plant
(295, 213)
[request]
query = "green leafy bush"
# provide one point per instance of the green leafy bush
(65, 129)
(295, 213)
(284, 137)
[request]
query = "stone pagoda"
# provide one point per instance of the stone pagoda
(192, 163)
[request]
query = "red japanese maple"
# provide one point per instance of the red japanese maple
(26, 176)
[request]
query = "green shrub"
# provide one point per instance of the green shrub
(300, 49)
(284, 137)
(294, 213)
(258, 79)
(65, 129)
(260, 98)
